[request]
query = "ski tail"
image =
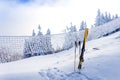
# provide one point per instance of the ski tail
(81, 59)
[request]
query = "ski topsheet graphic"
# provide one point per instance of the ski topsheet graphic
(81, 58)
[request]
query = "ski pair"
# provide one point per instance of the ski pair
(81, 57)
(76, 45)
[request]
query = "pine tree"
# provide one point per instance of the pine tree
(33, 34)
(98, 18)
(38, 45)
(116, 16)
(70, 37)
(72, 28)
(27, 49)
(109, 16)
(83, 25)
(48, 42)
(48, 32)
(113, 17)
(102, 19)
(106, 17)
(39, 32)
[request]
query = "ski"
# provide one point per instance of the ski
(81, 58)
(75, 56)
(79, 43)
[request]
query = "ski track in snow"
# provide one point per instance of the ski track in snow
(60, 75)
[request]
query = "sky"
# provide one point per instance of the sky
(20, 17)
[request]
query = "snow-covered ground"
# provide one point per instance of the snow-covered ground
(102, 57)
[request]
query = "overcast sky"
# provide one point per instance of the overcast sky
(20, 17)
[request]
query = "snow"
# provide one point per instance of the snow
(57, 40)
(102, 58)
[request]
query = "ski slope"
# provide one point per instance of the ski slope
(102, 57)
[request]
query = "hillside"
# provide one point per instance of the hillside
(16, 43)
(101, 58)
(105, 29)
(101, 62)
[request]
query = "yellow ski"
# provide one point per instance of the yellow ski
(81, 59)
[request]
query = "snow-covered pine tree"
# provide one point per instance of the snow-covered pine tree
(27, 49)
(38, 45)
(113, 17)
(106, 17)
(102, 19)
(70, 37)
(109, 16)
(72, 28)
(48, 42)
(33, 34)
(116, 16)
(48, 32)
(98, 18)
(39, 32)
(6, 56)
(35, 46)
(83, 25)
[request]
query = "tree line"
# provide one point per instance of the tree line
(40, 44)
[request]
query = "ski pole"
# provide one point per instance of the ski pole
(75, 56)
